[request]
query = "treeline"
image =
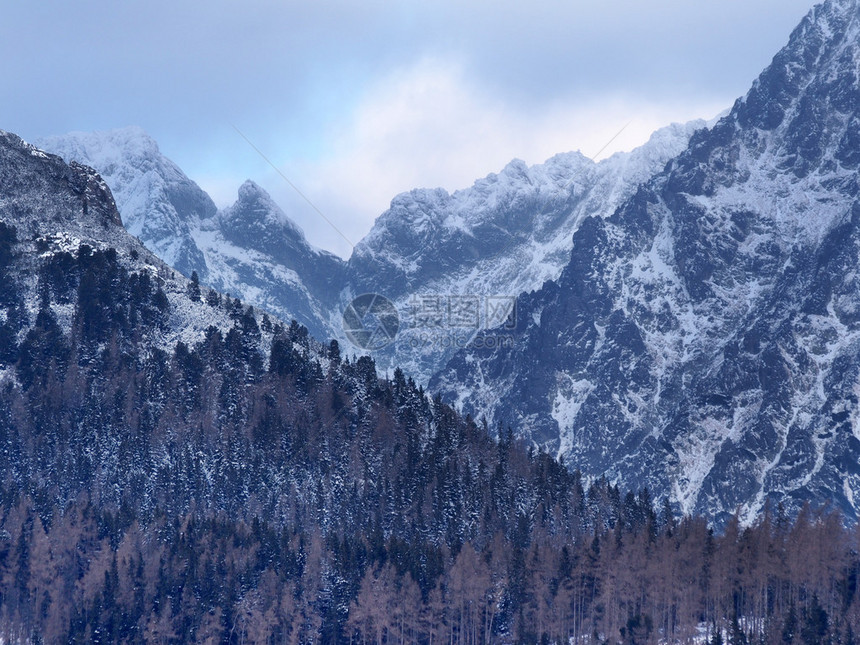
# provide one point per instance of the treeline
(95, 576)
(255, 486)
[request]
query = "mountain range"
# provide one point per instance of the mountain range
(251, 249)
(682, 317)
(703, 339)
(178, 467)
(508, 233)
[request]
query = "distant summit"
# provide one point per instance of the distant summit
(251, 249)
(158, 203)
(508, 233)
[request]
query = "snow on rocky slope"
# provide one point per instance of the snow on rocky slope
(703, 340)
(250, 250)
(56, 210)
(253, 250)
(158, 203)
(480, 246)
(454, 263)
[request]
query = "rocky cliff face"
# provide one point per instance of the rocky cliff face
(452, 263)
(158, 203)
(55, 217)
(251, 250)
(508, 233)
(42, 193)
(703, 340)
(254, 251)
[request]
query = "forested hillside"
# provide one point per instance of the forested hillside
(177, 467)
(258, 487)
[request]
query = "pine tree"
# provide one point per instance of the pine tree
(194, 287)
(789, 628)
(816, 624)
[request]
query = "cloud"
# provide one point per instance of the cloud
(428, 125)
(358, 101)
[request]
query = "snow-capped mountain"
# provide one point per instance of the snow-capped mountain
(158, 203)
(57, 214)
(251, 250)
(453, 264)
(276, 484)
(479, 247)
(704, 339)
(511, 229)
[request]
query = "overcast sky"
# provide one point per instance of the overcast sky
(357, 101)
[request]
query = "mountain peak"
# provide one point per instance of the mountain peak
(515, 167)
(820, 57)
(130, 143)
(157, 201)
(252, 191)
(255, 207)
(252, 242)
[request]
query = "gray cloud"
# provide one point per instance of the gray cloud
(294, 75)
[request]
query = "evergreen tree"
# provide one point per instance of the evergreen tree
(194, 287)
(716, 635)
(790, 626)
